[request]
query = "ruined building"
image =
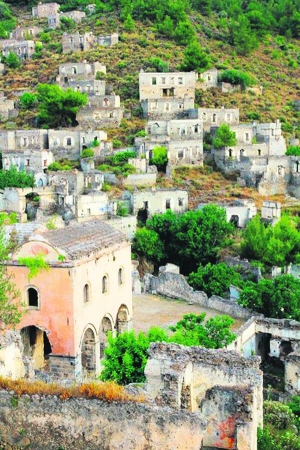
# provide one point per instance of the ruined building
(23, 49)
(54, 19)
(43, 10)
(77, 42)
(66, 326)
(103, 108)
(165, 96)
(183, 139)
(21, 33)
(7, 108)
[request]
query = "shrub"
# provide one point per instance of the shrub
(237, 77)
(87, 153)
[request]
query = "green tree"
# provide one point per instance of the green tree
(215, 279)
(13, 178)
(12, 61)
(147, 244)
(87, 153)
(125, 358)
(28, 100)
(278, 298)
(126, 355)
(160, 158)
(193, 330)
(254, 239)
(194, 58)
(184, 32)
(224, 137)
(58, 107)
(10, 306)
(241, 35)
(129, 24)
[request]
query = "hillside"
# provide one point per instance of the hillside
(274, 64)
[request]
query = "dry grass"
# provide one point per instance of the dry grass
(107, 392)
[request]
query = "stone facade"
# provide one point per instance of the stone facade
(158, 201)
(54, 19)
(213, 117)
(20, 33)
(239, 211)
(11, 355)
(183, 140)
(7, 108)
(102, 109)
(43, 10)
(277, 338)
(223, 386)
(23, 49)
(154, 85)
(77, 42)
(90, 272)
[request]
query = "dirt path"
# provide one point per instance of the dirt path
(152, 310)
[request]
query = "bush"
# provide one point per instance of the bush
(28, 100)
(292, 150)
(224, 137)
(87, 153)
(237, 77)
(13, 178)
(12, 61)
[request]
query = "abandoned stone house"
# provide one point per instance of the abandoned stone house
(23, 49)
(43, 10)
(208, 79)
(66, 326)
(223, 386)
(145, 203)
(103, 109)
(7, 108)
(239, 211)
(20, 33)
(80, 71)
(31, 160)
(213, 117)
(54, 19)
(55, 144)
(166, 95)
(77, 42)
(183, 140)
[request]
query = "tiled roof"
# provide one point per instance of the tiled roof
(83, 239)
(23, 231)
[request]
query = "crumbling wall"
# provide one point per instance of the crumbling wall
(224, 386)
(11, 355)
(46, 422)
(174, 285)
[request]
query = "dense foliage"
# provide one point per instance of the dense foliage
(13, 178)
(236, 77)
(215, 279)
(278, 298)
(7, 21)
(277, 245)
(280, 432)
(188, 240)
(160, 158)
(127, 353)
(58, 107)
(224, 137)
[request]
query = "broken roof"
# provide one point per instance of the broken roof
(83, 239)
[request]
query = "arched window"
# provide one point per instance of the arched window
(214, 118)
(86, 293)
(33, 297)
(120, 276)
(69, 141)
(259, 152)
(104, 284)
(204, 117)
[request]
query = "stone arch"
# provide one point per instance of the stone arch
(36, 345)
(107, 325)
(88, 350)
(122, 321)
(230, 153)
(121, 276)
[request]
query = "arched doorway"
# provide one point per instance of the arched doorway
(36, 345)
(88, 352)
(123, 319)
(105, 328)
(234, 220)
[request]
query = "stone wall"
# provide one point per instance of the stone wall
(174, 285)
(225, 387)
(11, 357)
(46, 422)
